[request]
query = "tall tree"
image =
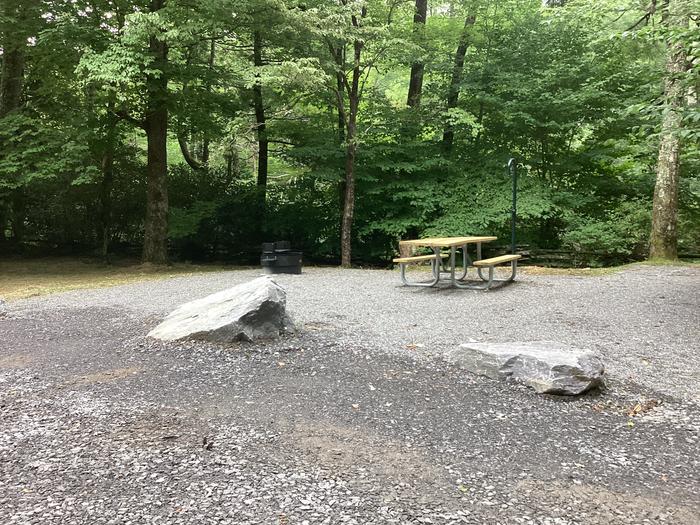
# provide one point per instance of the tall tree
(352, 87)
(155, 240)
(19, 19)
(12, 72)
(260, 120)
(415, 86)
(137, 65)
(663, 243)
(367, 39)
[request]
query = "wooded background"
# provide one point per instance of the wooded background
(195, 130)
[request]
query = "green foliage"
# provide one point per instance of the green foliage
(621, 234)
(186, 222)
(567, 90)
(36, 149)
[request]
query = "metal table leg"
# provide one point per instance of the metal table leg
(434, 265)
(483, 286)
(490, 280)
(466, 263)
(478, 256)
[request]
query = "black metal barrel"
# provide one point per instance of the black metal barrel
(278, 257)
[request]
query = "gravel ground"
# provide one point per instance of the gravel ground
(356, 419)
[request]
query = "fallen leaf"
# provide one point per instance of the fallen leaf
(642, 407)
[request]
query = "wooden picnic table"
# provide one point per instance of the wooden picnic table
(447, 242)
(454, 243)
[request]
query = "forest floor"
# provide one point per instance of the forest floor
(357, 418)
(23, 278)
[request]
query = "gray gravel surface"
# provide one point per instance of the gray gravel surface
(357, 419)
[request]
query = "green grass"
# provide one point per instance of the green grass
(666, 262)
(22, 278)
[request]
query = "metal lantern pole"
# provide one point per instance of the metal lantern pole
(512, 164)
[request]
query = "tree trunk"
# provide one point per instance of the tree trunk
(187, 154)
(210, 64)
(11, 79)
(13, 45)
(155, 242)
(415, 86)
(663, 243)
(456, 81)
(350, 153)
(349, 186)
(107, 182)
(339, 57)
(260, 135)
(260, 122)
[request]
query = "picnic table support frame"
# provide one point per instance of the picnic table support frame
(439, 267)
(491, 280)
(452, 259)
(435, 269)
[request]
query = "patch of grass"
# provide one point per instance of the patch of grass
(608, 270)
(22, 278)
(547, 270)
(667, 262)
(535, 270)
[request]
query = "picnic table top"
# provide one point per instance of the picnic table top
(447, 242)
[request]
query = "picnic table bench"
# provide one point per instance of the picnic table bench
(440, 268)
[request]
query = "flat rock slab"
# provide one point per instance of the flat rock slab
(249, 311)
(548, 367)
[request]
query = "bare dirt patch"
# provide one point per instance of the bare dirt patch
(105, 376)
(159, 429)
(369, 458)
(15, 361)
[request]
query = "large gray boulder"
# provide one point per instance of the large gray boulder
(249, 311)
(3, 307)
(548, 367)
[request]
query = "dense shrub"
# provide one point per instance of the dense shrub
(621, 235)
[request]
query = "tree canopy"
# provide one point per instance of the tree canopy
(197, 130)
